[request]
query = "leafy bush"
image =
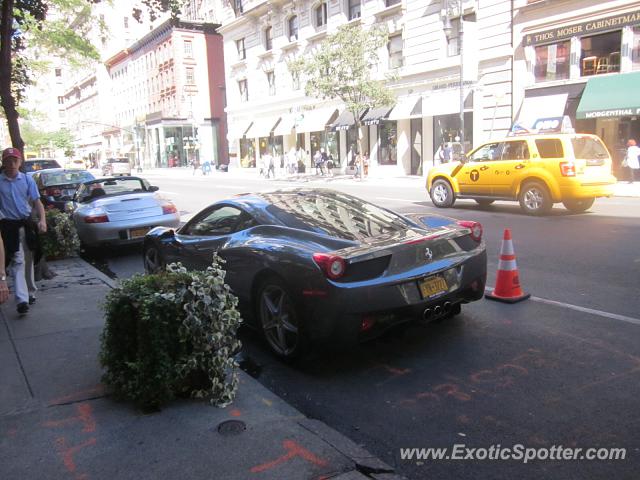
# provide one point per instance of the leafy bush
(61, 239)
(172, 333)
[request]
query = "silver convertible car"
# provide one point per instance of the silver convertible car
(120, 211)
(311, 265)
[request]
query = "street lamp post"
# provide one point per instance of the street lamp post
(447, 31)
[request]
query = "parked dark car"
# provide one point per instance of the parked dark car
(57, 186)
(35, 164)
(313, 265)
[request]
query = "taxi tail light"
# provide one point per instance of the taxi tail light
(96, 218)
(333, 266)
(568, 169)
(475, 227)
(169, 208)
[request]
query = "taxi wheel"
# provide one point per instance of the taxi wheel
(578, 205)
(535, 199)
(442, 194)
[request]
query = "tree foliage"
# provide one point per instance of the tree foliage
(344, 67)
(33, 29)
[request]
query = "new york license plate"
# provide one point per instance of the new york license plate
(432, 286)
(138, 232)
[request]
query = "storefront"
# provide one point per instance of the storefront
(587, 68)
(610, 108)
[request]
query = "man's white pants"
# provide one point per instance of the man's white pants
(21, 269)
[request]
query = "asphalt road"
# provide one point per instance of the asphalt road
(559, 369)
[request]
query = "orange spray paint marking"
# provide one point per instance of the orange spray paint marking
(235, 413)
(294, 450)
(84, 416)
(67, 453)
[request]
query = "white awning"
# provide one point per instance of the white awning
(442, 102)
(407, 107)
(286, 125)
(262, 127)
(534, 108)
(316, 120)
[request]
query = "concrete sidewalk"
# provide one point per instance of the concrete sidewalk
(58, 422)
(377, 177)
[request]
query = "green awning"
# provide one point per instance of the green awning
(611, 96)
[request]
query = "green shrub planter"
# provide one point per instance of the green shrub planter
(172, 334)
(61, 238)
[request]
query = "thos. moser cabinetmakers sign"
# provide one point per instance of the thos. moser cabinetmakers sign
(580, 29)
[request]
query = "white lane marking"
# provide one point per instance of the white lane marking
(397, 199)
(613, 316)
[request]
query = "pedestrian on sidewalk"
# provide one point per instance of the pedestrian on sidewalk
(632, 160)
(18, 197)
(4, 289)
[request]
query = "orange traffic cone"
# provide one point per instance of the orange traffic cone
(507, 281)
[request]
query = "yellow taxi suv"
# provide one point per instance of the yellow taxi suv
(535, 170)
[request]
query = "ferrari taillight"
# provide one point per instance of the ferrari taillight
(475, 227)
(333, 266)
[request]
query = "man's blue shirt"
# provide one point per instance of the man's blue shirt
(15, 195)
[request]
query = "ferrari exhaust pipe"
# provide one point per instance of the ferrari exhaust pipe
(437, 310)
(426, 314)
(447, 307)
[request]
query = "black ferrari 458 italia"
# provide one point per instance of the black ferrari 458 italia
(311, 265)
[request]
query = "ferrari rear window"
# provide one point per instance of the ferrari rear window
(335, 214)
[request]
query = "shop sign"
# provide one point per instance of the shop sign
(617, 112)
(581, 29)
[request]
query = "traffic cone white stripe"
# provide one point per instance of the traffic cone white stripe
(507, 265)
(507, 248)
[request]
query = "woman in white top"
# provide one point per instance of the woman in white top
(633, 160)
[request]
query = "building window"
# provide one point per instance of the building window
(552, 61)
(190, 76)
(242, 52)
(237, 6)
(60, 100)
(293, 28)
(394, 47)
(353, 9)
(244, 90)
(188, 48)
(453, 42)
(126, 22)
(268, 38)
(320, 14)
(271, 80)
(635, 49)
(389, 3)
(58, 72)
(600, 53)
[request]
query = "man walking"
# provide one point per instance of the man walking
(18, 197)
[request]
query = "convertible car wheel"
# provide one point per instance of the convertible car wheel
(279, 319)
(153, 261)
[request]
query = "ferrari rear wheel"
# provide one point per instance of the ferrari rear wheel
(153, 261)
(279, 319)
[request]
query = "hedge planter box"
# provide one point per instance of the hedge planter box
(172, 334)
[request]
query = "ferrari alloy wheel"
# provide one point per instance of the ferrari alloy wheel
(442, 194)
(279, 319)
(153, 262)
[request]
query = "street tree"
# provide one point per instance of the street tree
(344, 67)
(27, 32)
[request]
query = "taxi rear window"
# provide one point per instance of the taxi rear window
(549, 148)
(588, 148)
